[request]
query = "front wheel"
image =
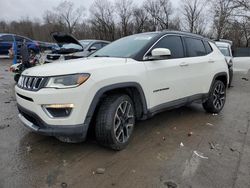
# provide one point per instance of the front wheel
(217, 98)
(115, 121)
(16, 77)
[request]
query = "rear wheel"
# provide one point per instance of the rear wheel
(217, 98)
(230, 77)
(115, 121)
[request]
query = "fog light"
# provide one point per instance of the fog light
(58, 110)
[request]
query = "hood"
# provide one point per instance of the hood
(82, 65)
(64, 38)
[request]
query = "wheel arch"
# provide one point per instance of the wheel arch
(222, 76)
(133, 89)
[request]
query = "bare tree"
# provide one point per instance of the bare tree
(3, 26)
(243, 3)
(140, 18)
(65, 15)
(166, 10)
(160, 12)
(152, 9)
(102, 19)
(234, 33)
(51, 24)
(223, 11)
(175, 23)
(110, 21)
(68, 15)
(193, 19)
(245, 26)
(124, 10)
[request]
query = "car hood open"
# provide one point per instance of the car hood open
(64, 38)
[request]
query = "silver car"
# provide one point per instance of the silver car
(68, 47)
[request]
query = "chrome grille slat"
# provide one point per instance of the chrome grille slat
(23, 81)
(41, 82)
(34, 83)
(26, 82)
(31, 83)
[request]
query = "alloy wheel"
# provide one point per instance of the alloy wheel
(124, 121)
(219, 96)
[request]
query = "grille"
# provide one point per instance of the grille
(31, 83)
(53, 57)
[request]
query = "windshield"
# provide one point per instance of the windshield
(125, 47)
(224, 51)
(85, 43)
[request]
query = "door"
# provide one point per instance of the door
(6, 42)
(199, 66)
(168, 78)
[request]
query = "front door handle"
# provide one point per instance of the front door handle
(184, 64)
(211, 61)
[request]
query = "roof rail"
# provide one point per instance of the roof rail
(225, 40)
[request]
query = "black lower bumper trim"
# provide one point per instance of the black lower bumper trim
(36, 124)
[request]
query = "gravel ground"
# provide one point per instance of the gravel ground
(185, 147)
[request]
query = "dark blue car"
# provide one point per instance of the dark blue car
(6, 42)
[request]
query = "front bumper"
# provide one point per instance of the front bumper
(34, 101)
(36, 124)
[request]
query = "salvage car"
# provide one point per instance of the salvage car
(225, 47)
(130, 79)
(7, 40)
(242, 59)
(71, 48)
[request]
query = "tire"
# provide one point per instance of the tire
(115, 122)
(16, 77)
(230, 77)
(216, 99)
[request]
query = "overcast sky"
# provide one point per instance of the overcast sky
(16, 9)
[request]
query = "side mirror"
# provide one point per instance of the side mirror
(161, 53)
(91, 49)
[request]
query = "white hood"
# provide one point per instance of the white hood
(83, 65)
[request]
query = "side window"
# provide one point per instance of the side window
(173, 43)
(104, 44)
(7, 38)
(28, 40)
(97, 45)
(208, 47)
(19, 39)
(195, 47)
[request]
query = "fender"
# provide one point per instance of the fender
(216, 76)
(105, 89)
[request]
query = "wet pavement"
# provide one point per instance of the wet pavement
(185, 147)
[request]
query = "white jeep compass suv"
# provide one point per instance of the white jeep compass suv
(130, 79)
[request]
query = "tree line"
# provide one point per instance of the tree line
(108, 20)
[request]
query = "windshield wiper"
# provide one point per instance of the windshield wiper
(101, 56)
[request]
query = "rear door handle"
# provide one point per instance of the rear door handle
(211, 61)
(184, 64)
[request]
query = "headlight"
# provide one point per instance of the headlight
(67, 81)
